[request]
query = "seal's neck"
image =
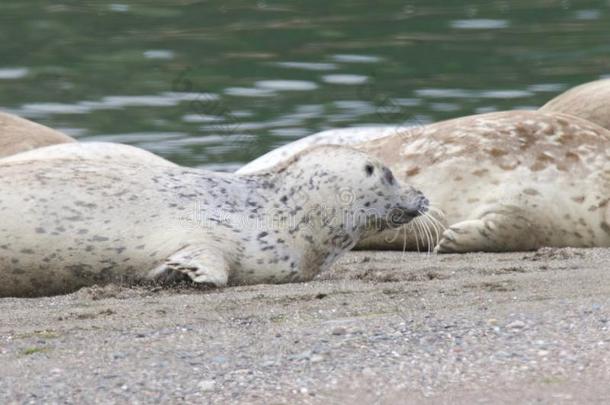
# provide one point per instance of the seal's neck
(312, 216)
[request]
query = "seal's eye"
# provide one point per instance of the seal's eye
(369, 169)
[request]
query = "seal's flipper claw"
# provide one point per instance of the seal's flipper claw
(499, 229)
(465, 236)
(202, 265)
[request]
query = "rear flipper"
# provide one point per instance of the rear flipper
(200, 263)
(500, 228)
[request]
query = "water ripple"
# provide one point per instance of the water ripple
(119, 8)
(248, 92)
(201, 118)
(588, 15)
(308, 65)
(42, 109)
(290, 132)
(135, 138)
(349, 58)
(479, 24)
(547, 88)
(159, 54)
(286, 85)
(461, 93)
(166, 99)
(13, 73)
(345, 79)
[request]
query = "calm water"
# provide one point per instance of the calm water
(216, 83)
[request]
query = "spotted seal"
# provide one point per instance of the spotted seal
(590, 101)
(19, 135)
(505, 181)
(67, 223)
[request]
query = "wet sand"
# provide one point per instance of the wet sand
(381, 327)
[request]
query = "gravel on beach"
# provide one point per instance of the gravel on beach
(380, 327)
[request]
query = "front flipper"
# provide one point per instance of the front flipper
(200, 263)
(501, 228)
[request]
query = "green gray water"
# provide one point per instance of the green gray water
(216, 83)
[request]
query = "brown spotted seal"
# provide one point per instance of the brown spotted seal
(19, 135)
(21, 140)
(590, 101)
(67, 223)
(505, 181)
(91, 151)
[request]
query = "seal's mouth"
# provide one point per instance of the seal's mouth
(401, 215)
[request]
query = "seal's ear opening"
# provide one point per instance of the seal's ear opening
(369, 169)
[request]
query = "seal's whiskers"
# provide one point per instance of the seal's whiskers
(432, 225)
(428, 235)
(436, 220)
(404, 242)
(416, 233)
(436, 224)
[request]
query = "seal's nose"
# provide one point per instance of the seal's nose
(422, 202)
(415, 206)
(418, 203)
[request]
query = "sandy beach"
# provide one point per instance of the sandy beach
(381, 327)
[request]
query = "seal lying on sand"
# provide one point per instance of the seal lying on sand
(19, 135)
(21, 140)
(341, 136)
(65, 223)
(507, 181)
(90, 151)
(590, 101)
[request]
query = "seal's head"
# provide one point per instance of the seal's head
(351, 190)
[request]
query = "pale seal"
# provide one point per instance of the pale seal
(590, 101)
(67, 223)
(341, 136)
(89, 151)
(507, 181)
(20, 135)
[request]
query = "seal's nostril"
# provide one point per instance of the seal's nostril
(423, 203)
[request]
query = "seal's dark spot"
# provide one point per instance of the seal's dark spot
(85, 204)
(369, 169)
